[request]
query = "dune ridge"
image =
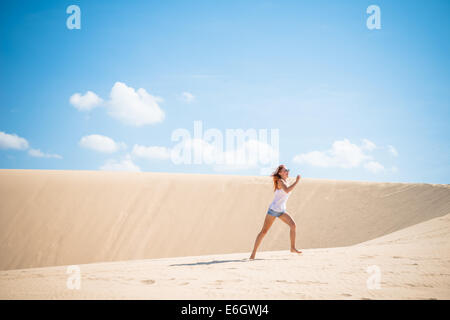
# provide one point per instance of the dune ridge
(64, 217)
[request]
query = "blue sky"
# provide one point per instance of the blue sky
(350, 103)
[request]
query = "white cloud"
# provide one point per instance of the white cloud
(39, 154)
(250, 154)
(374, 166)
(368, 145)
(130, 106)
(12, 141)
(342, 154)
(101, 143)
(200, 149)
(393, 151)
(85, 102)
(187, 97)
(125, 164)
(152, 152)
(136, 108)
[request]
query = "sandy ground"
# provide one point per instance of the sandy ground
(59, 217)
(185, 236)
(413, 263)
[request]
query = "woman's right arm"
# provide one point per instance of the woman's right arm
(292, 186)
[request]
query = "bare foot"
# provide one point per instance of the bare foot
(295, 250)
(252, 257)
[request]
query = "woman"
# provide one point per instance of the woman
(278, 207)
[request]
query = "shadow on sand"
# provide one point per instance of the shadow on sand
(218, 261)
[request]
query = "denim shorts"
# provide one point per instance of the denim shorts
(274, 213)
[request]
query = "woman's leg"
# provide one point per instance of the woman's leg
(268, 221)
(285, 217)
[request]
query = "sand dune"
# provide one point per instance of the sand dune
(57, 217)
(413, 263)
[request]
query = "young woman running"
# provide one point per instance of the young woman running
(278, 207)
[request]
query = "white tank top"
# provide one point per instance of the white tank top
(279, 202)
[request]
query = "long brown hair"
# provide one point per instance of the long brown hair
(276, 176)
